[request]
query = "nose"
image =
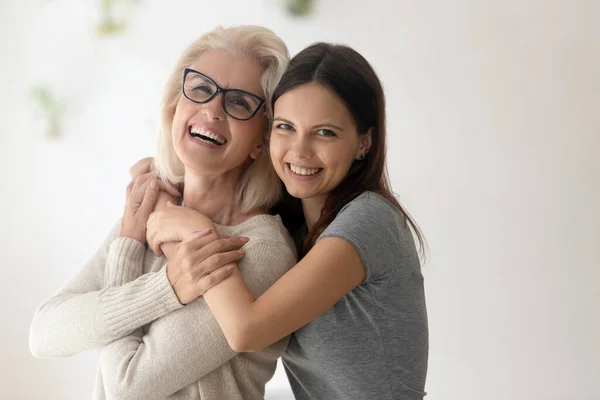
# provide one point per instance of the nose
(301, 147)
(214, 108)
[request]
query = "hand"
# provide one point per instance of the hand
(201, 261)
(141, 167)
(141, 197)
(145, 167)
(174, 224)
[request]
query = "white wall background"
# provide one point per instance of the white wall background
(494, 124)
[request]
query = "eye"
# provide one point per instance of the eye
(240, 103)
(326, 132)
(283, 127)
(203, 89)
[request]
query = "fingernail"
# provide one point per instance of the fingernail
(242, 251)
(244, 239)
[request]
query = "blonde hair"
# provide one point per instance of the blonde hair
(259, 186)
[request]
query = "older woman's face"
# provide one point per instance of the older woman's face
(205, 137)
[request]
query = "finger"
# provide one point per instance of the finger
(217, 261)
(149, 199)
(139, 188)
(195, 242)
(169, 188)
(152, 235)
(128, 189)
(141, 167)
(150, 242)
(138, 193)
(220, 246)
(195, 238)
(217, 276)
(155, 247)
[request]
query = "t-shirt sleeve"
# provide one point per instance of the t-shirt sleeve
(379, 234)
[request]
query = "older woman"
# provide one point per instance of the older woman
(157, 339)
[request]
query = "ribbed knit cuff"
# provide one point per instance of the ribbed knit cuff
(138, 303)
(125, 261)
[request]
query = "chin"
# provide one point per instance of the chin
(300, 193)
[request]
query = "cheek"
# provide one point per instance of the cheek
(341, 157)
(247, 132)
(276, 148)
(180, 117)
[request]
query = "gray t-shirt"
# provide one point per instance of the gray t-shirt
(373, 343)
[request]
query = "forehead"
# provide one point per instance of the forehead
(313, 104)
(230, 71)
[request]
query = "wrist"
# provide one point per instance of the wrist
(134, 236)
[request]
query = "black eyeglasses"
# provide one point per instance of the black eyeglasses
(237, 103)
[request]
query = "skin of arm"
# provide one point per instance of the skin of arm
(324, 276)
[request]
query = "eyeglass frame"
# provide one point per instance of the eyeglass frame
(220, 90)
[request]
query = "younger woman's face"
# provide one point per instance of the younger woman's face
(314, 141)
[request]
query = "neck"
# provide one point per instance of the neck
(214, 196)
(312, 209)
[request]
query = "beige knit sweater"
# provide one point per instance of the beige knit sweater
(152, 347)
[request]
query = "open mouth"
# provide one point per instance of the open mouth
(303, 171)
(207, 136)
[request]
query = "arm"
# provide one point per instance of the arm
(83, 315)
(362, 230)
(183, 346)
(325, 275)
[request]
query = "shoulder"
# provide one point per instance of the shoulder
(370, 213)
(269, 241)
(270, 253)
(377, 230)
(265, 229)
(372, 204)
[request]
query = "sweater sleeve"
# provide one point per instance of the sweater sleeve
(85, 314)
(182, 347)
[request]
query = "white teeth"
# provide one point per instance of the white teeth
(199, 131)
(304, 171)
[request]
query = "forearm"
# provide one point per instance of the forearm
(167, 248)
(178, 349)
(231, 303)
(235, 302)
(125, 262)
(70, 322)
(329, 272)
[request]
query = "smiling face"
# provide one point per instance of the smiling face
(205, 138)
(314, 141)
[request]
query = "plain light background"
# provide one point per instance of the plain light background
(494, 133)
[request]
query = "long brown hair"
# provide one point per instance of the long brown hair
(351, 77)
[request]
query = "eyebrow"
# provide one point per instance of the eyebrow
(324, 125)
(208, 78)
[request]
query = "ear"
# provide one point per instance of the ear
(365, 144)
(256, 151)
(258, 146)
